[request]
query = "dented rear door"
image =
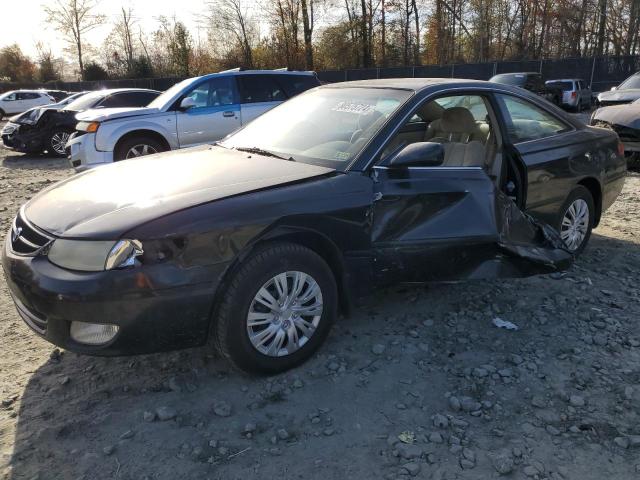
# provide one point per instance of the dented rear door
(451, 223)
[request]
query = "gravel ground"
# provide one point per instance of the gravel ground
(418, 383)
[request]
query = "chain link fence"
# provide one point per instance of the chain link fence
(601, 73)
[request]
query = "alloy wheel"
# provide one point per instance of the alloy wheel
(140, 151)
(575, 224)
(59, 142)
(284, 313)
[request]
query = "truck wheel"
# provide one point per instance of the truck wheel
(277, 309)
(58, 142)
(135, 147)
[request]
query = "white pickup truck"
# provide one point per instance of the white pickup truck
(193, 112)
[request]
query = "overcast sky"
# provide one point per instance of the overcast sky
(23, 21)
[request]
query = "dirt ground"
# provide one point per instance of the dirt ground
(418, 383)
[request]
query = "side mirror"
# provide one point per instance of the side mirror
(419, 154)
(614, 88)
(187, 103)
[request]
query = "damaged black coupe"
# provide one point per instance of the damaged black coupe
(259, 241)
(47, 129)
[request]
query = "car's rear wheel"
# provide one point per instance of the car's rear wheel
(576, 219)
(2, 114)
(135, 147)
(58, 142)
(277, 309)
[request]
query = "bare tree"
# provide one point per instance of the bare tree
(74, 18)
(307, 25)
(231, 19)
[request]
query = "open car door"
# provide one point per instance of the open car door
(452, 223)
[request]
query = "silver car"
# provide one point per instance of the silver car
(193, 112)
(576, 94)
(627, 92)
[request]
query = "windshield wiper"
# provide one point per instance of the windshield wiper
(266, 153)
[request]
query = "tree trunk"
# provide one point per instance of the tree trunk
(308, 31)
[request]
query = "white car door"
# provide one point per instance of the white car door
(12, 104)
(30, 100)
(258, 94)
(216, 112)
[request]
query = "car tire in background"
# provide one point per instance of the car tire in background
(277, 310)
(576, 219)
(2, 114)
(137, 146)
(56, 146)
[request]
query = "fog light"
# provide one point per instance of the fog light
(93, 333)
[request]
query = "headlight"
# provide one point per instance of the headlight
(89, 127)
(94, 256)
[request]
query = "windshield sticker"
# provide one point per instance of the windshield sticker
(342, 156)
(354, 107)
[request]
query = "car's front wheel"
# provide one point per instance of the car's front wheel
(2, 114)
(135, 147)
(576, 219)
(58, 142)
(277, 309)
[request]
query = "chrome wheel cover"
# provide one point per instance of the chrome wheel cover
(284, 313)
(140, 151)
(575, 224)
(59, 142)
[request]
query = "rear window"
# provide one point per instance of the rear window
(295, 84)
(260, 88)
(565, 86)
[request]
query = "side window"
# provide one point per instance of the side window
(213, 93)
(295, 84)
(112, 101)
(260, 88)
(461, 123)
(11, 97)
(526, 122)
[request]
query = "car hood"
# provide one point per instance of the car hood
(106, 202)
(626, 115)
(628, 95)
(104, 114)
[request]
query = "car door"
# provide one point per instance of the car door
(216, 112)
(259, 93)
(450, 222)
(547, 147)
(11, 104)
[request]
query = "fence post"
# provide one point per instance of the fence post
(378, 72)
(495, 68)
(453, 69)
(413, 71)
(593, 67)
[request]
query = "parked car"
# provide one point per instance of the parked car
(49, 128)
(18, 101)
(575, 92)
(193, 112)
(625, 121)
(58, 95)
(532, 81)
(262, 238)
(627, 92)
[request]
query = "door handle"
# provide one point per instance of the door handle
(229, 114)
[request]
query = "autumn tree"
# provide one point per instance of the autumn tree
(73, 19)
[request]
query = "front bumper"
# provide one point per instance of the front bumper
(83, 154)
(152, 316)
(13, 140)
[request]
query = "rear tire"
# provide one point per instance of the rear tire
(243, 324)
(135, 147)
(2, 114)
(576, 218)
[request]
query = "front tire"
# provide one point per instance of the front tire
(576, 219)
(277, 310)
(135, 147)
(2, 114)
(58, 142)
